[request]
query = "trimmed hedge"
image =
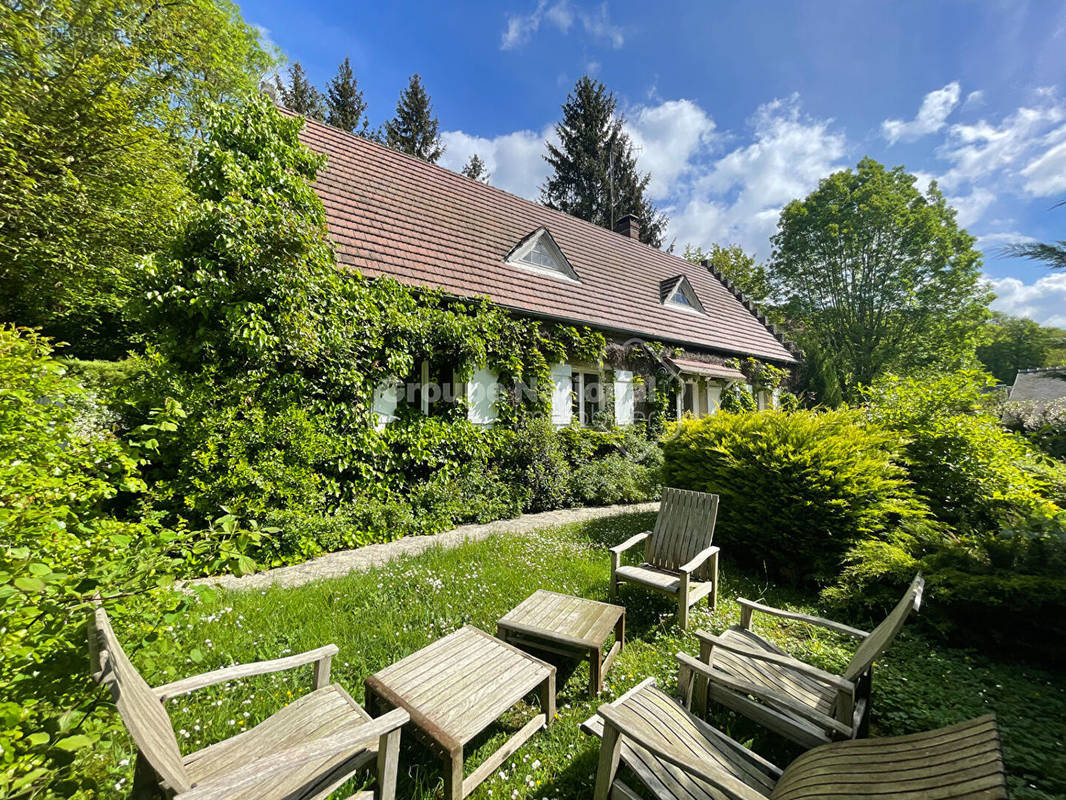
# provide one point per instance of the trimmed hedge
(798, 489)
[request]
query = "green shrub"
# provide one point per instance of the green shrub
(797, 489)
(1006, 588)
(615, 479)
(59, 545)
(961, 460)
(532, 457)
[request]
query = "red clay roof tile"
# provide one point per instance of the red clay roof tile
(391, 214)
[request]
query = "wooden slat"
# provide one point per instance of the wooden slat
(881, 636)
(510, 747)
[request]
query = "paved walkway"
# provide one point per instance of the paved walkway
(336, 565)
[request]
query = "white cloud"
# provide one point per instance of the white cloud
(668, 137)
(1000, 239)
(599, 26)
(515, 161)
(932, 116)
(1046, 174)
(971, 207)
(974, 99)
(1043, 301)
(739, 198)
(521, 27)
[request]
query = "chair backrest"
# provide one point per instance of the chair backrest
(881, 636)
(684, 527)
(141, 711)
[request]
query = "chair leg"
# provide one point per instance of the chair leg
(610, 750)
(682, 611)
(388, 763)
(713, 597)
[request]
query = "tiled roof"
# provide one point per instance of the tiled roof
(693, 367)
(392, 214)
(1039, 386)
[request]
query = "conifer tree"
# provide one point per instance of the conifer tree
(344, 101)
(300, 95)
(594, 170)
(414, 128)
(475, 168)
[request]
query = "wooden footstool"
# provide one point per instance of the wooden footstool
(457, 687)
(570, 626)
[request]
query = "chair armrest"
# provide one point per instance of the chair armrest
(705, 771)
(186, 685)
(763, 693)
(630, 542)
(262, 769)
(830, 678)
(748, 606)
(697, 561)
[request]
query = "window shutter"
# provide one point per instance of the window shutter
(623, 397)
(481, 397)
(562, 409)
(386, 398)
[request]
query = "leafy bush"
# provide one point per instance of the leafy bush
(59, 545)
(1006, 588)
(533, 457)
(962, 462)
(798, 489)
(615, 479)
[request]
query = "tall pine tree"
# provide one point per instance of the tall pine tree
(345, 103)
(414, 128)
(595, 175)
(300, 95)
(475, 168)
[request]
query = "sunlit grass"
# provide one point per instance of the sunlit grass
(378, 617)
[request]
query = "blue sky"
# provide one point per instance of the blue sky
(739, 107)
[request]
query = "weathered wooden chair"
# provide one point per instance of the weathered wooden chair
(678, 557)
(678, 755)
(306, 750)
(744, 672)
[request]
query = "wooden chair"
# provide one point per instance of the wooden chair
(744, 672)
(306, 750)
(678, 755)
(678, 557)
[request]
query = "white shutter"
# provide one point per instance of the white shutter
(714, 397)
(562, 403)
(481, 397)
(386, 398)
(623, 397)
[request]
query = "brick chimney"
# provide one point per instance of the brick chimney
(629, 226)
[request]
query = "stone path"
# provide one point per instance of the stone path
(336, 565)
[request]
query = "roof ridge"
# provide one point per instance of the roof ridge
(1042, 369)
(753, 309)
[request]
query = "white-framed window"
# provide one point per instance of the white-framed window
(432, 388)
(690, 399)
(678, 293)
(539, 253)
(587, 392)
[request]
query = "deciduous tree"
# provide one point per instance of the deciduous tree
(99, 104)
(1008, 344)
(594, 168)
(878, 275)
(414, 128)
(740, 267)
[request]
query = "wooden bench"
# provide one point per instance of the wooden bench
(678, 756)
(678, 557)
(307, 750)
(744, 672)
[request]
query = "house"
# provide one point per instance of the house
(1039, 387)
(391, 214)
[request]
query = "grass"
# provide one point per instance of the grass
(378, 617)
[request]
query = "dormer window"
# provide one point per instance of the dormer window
(678, 293)
(539, 253)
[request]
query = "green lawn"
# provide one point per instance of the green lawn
(381, 616)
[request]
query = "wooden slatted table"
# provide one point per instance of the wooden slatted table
(457, 687)
(571, 626)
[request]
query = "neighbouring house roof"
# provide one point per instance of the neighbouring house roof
(1039, 385)
(391, 214)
